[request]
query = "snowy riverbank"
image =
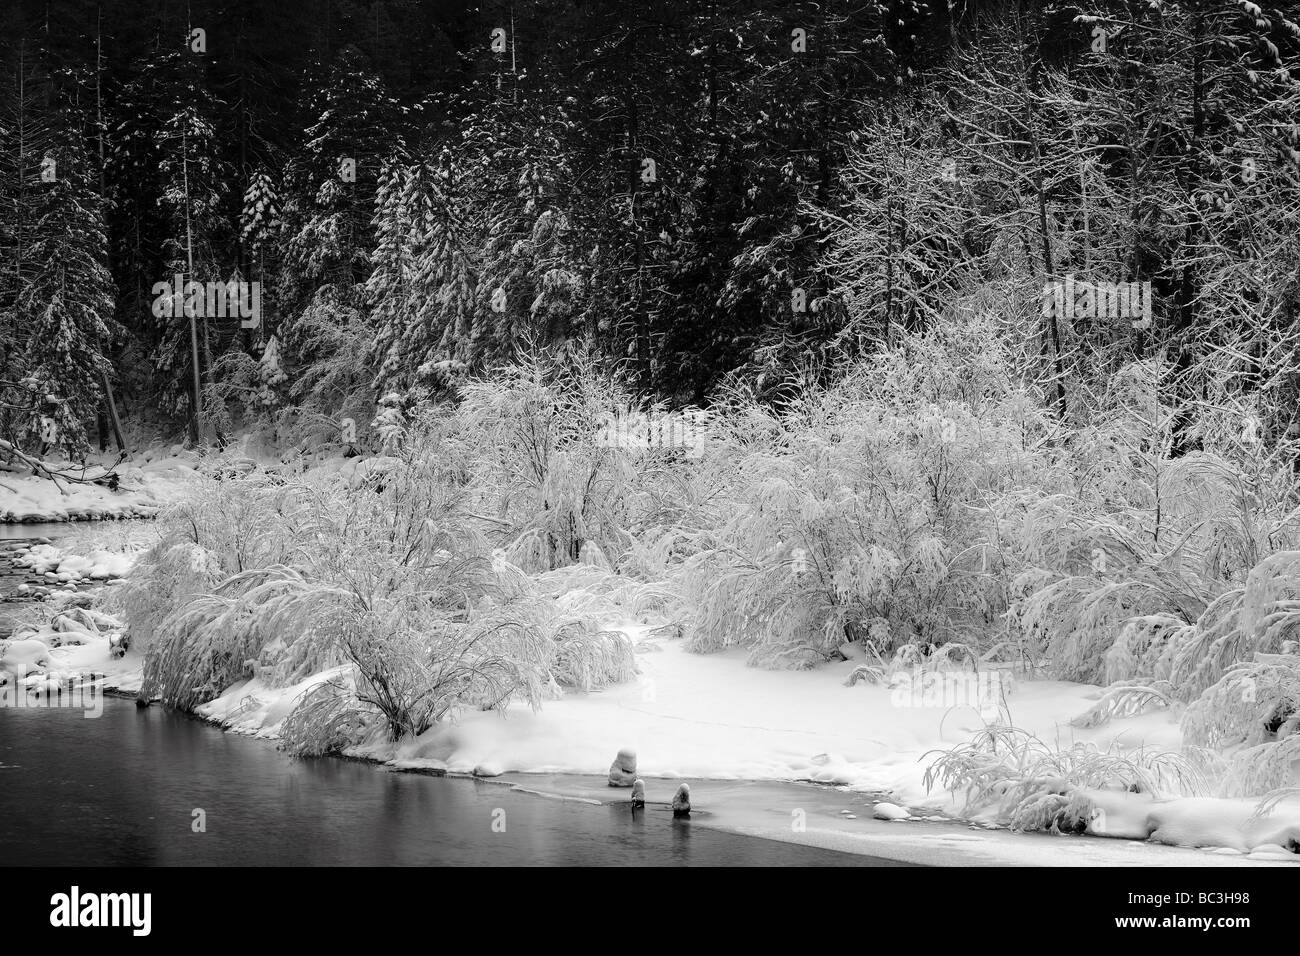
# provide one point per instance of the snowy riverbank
(146, 484)
(711, 718)
(692, 716)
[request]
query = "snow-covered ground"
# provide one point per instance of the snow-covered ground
(146, 484)
(709, 715)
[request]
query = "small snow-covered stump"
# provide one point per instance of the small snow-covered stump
(682, 801)
(638, 794)
(622, 772)
(890, 811)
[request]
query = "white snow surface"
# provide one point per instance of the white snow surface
(146, 484)
(711, 716)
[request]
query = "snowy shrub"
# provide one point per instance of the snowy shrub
(860, 513)
(1263, 769)
(1255, 619)
(1126, 699)
(1145, 648)
(223, 528)
(1028, 784)
(210, 640)
(163, 578)
(525, 443)
(1252, 713)
(588, 659)
(416, 679)
(393, 577)
(1274, 798)
(326, 719)
(1136, 570)
(591, 590)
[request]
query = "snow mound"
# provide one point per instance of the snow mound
(1203, 822)
(24, 657)
(890, 811)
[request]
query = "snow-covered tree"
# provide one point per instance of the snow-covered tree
(66, 305)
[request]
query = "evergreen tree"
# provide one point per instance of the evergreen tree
(66, 305)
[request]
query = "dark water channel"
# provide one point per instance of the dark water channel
(122, 790)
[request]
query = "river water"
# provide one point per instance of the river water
(13, 536)
(132, 786)
(122, 790)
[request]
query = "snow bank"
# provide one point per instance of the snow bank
(255, 708)
(73, 641)
(1231, 825)
(146, 484)
(711, 716)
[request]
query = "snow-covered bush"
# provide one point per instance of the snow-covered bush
(588, 658)
(525, 443)
(862, 511)
(1136, 567)
(225, 528)
(393, 578)
(1025, 783)
(1255, 702)
(1258, 618)
(326, 719)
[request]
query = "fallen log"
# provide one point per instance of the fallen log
(107, 478)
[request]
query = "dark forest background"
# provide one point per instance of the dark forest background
(703, 194)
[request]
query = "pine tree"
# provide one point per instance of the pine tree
(167, 155)
(260, 218)
(27, 142)
(330, 184)
(66, 305)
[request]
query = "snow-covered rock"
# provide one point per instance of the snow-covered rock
(890, 811)
(24, 657)
(622, 772)
(682, 801)
(55, 564)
